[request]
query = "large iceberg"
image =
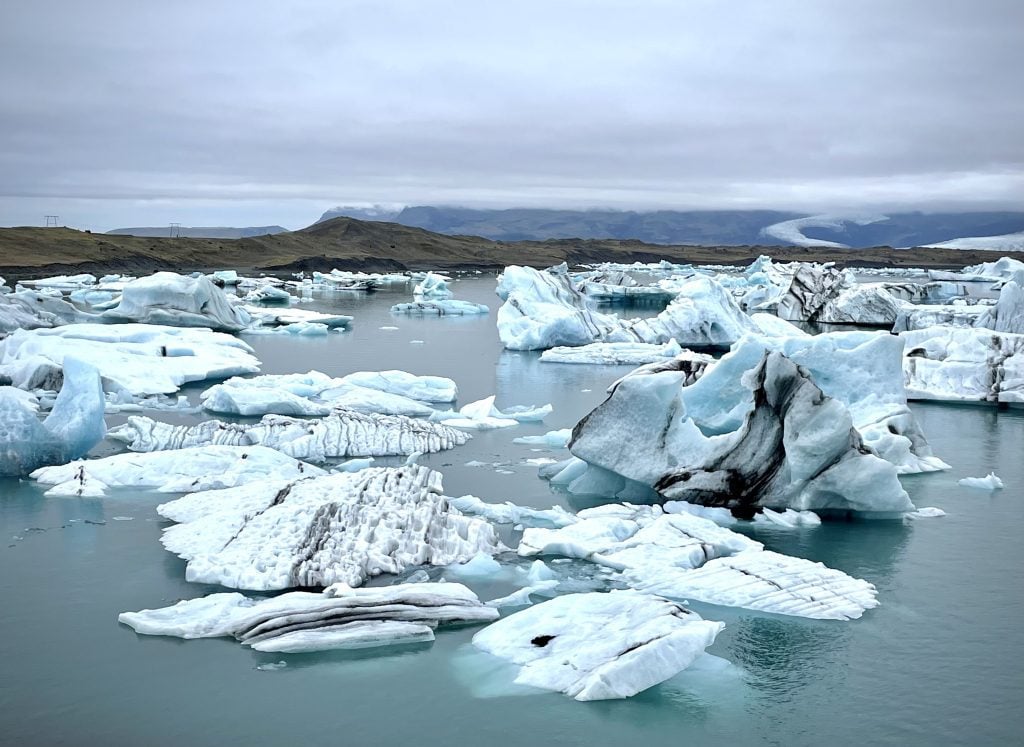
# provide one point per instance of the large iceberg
(178, 301)
(29, 309)
(74, 425)
(208, 467)
(340, 528)
(134, 360)
(964, 365)
(343, 433)
(796, 447)
(598, 646)
(300, 621)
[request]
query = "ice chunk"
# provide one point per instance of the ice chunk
(613, 353)
(74, 425)
(134, 360)
(483, 415)
(290, 317)
(344, 527)
(181, 471)
(598, 646)
(964, 365)
(510, 513)
(928, 512)
(178, 301)
(300, 621)
(420, 388)
(29, 309)
(988, 482)
(789, 519)
(343, 433)
(440, 307)
(555, 439)
(432, 286)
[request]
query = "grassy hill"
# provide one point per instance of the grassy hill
(352, 244)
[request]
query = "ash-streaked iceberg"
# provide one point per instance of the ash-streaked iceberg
(598, 646)
(75, 423)
(302, 621)
(175, 300)
(342, 434)
(613, 353)
(964, 365)
(440, 307)
(339, 528)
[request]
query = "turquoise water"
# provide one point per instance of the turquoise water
(939, 662)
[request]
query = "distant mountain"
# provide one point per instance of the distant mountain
(200, 232)
(697, 227)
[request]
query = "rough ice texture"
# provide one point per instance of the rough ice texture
(181, 471)
(795, 448)
(287, 317)
(300, 621)
(74, 425)
(1008, 313)
(343, 433)
(483, 415)
(432, 286)
(988, 482)
(613, 353)
(510, 513)
(964, 365)
(339, 528)
(420, 388)
(440, 307)
(178, 301)
(599, 646)
(134, 360)
(553, 439)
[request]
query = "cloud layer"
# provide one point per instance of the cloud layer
(119, 113)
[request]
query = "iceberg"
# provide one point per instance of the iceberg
(342, 434)
(186, 470)
(483, 415)
(175, 300)
(964, 365)
(1007, 315)
(440, 307)
(134, 360)
(795, 448)
(613, 353)
(597, 646)
(29, 309)
(432, 286)
(302, 621)
(289, 317)
(339, 528)
(553, 439)
(75, 423)
(988, 482)
(419, 388)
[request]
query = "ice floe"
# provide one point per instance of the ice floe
(598, 646)
(339, 528)
(175, 300)
(988, 482)
(440, 307)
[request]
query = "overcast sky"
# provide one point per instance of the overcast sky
(253, 113)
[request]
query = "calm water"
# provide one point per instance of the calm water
(940, 662)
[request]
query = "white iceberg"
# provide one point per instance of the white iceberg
(964, 365)
(598, 646)
(29, 309)
(419, 388)
(288, 318)
(483, 415)
(440, 307)
(339, 528)
(988, 482)
(432, 286)
(176, 300)
(613, 353)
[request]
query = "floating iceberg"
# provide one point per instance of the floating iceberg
(74, 425)
(440, 307)
(178, 301)
(339, 528)
(344, 433)
(510, 513)
(300, 621)
(795, 448)
(28, 309)
(289, 317)
(553, 439)
(209, 467)
(988, 482)
(134, 360)
(613, 353)
(1007, 315)
(432, 286)
(483, 415)
(964, 365)
(420, 388)
(599, 646)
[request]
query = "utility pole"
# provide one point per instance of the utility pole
(175, 230)
(52, 221)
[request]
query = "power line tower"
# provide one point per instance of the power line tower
(52, 221)
(174, 230)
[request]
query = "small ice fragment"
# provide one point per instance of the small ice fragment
(389, 327)
(989, 482)
(123, 518)
(416, 342)
(928, 512)
(272, 666)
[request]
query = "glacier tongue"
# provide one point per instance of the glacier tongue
(339, 528)
(299, 621)
(597, 646)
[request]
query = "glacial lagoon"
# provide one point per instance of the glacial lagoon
(938, 661)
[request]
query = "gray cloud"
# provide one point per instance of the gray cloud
(120, 113)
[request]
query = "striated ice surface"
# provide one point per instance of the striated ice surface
(613, 353)
(134, 360)
(300, 621)
(510, 513)
(343, 433)
(964, 365)
(598, 646)
(186, 470)
(420, 388)
(176, 300)
(339, 528)
(440, 307)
